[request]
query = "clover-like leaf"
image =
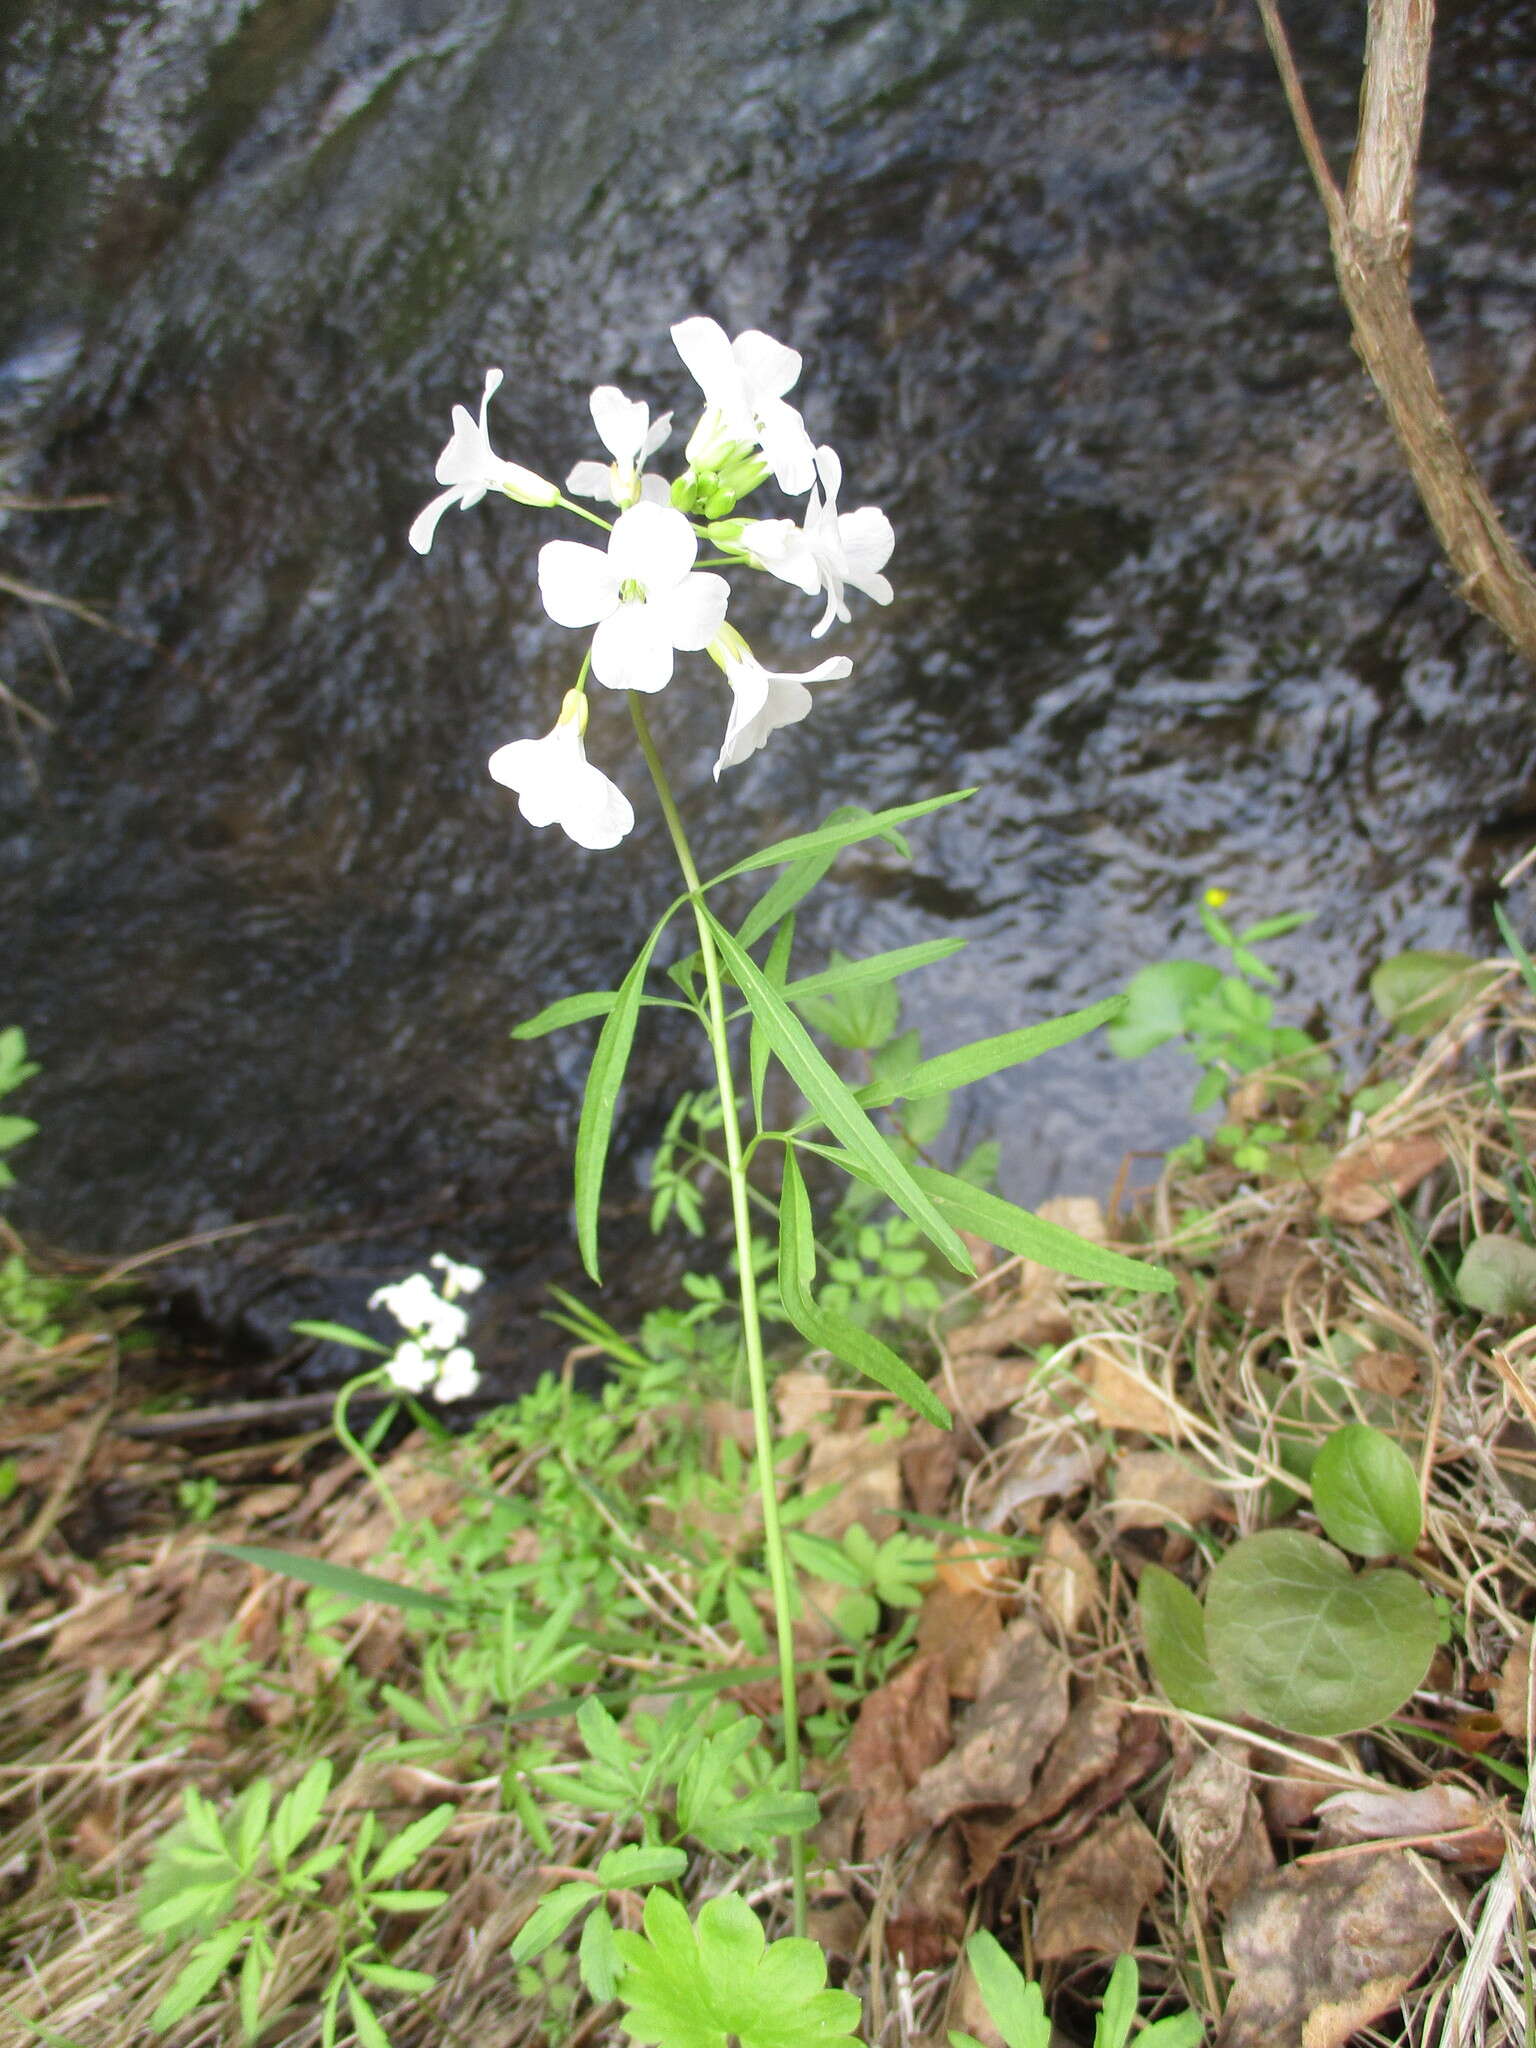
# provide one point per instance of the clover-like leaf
(1297, 1638)
(701, 1984)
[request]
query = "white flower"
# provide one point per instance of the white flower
(457, 1279)
(469, 469)
(557, 785)
(456, 1377)
(411, 1369)
(625, 430)
(763, 699)
(830, 550)
(644, 596)
(744, 382)
(412, 1302)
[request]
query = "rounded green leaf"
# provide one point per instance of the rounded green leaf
(1173, 1632)
(1366, 1492)
(1295, 1637)
(1158, 1004)
(1498, 1276)
(1417, 992)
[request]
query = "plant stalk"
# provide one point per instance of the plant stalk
(751, 1320)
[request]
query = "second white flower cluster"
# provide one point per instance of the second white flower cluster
(643, 593)
(433, 1355)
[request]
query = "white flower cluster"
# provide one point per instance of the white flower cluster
(433, 1354)
(641, 594)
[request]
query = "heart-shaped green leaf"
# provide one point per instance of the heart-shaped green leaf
(1173, 1630)
(1295, 1637)
(1498, 1275)
(1418, 992)
(1158, 1005)
(1366, 1492)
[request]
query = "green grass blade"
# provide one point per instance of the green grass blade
(338, 1578)
(833, 1100)
(1511, 939)
(989, 1055)
(832, 838)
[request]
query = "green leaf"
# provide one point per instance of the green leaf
(1014, 2003)
(338, 1578)
(1416, 992)
(1511, 939)
(1366, 1493)
(874, 972)
(833, 1101)
(1117, 2008)
(206, 1965)
(759, 1051)
(784, 895)
(15, 1130)
(687, 1986)
(1174, 2030)
(581, 1009)
(1498, 1276)
(254, 1966)
(251, 1817)
(604, 1080)
(989, 1056)
(339, 1333)
(1295, 1637)
(365, 2020)
(637, 1864)
(1173, 1632)
(390, 1977)
(1049, 1244)
(831, 838)
(597, 1958)
(551, 1917)
(402, 1850)
(828, 1332)
(1157, 1006)
(407, 1902)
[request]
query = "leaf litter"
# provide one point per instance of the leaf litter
(1010, 1764)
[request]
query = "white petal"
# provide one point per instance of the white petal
(693, 613)
(577, 583)
(655, 490)
(424, 525)
(598, 814)
(706, 354)
(770, 368)
(787, 446)
(592, 480)
(867, 539)
(779, 546)
(557, 785)
(833, 669)
(632, 650)
(652, 544)
(761, 705)
(829, 474)
(655, 436)
(620, 424)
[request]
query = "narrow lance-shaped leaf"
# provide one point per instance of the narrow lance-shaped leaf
(580, 1010)
(828, 1332)
(603, 1083)
(759, 1051)
(832, 837)
(987, 1056)
(873, 972)
(784, 894)
(338, 1578)
(833, 1101)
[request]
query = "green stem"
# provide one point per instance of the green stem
(350, 1443)
(751, 1321)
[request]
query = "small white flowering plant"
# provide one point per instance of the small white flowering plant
(654, 593)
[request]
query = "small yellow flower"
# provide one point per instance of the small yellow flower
(1216, 897)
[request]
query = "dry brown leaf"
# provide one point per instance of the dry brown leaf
(1215, 1815)
(1160, 1490)
(836, 1923)
(261, 1503)
(126, 1632)
(1064, 1580)
(1363, 1182)
(1087, 1748)
(1257, 1280)
(977, 1387)
(902, 1729)
(1122, 1397)
(802, 1398)
(974, 1564)
(1512, 1702)
(1002, 1740)
(1320, 1949)
(928, 1918)
(1394, 1373)
(1045, 1471)
(1447, 1821)
(1018, 1325)
(929, 1456)
(865, 1471)
(1291, 1792)
(1092, 1899)
(959, 1624)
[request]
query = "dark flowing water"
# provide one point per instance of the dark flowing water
(1163, 589)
